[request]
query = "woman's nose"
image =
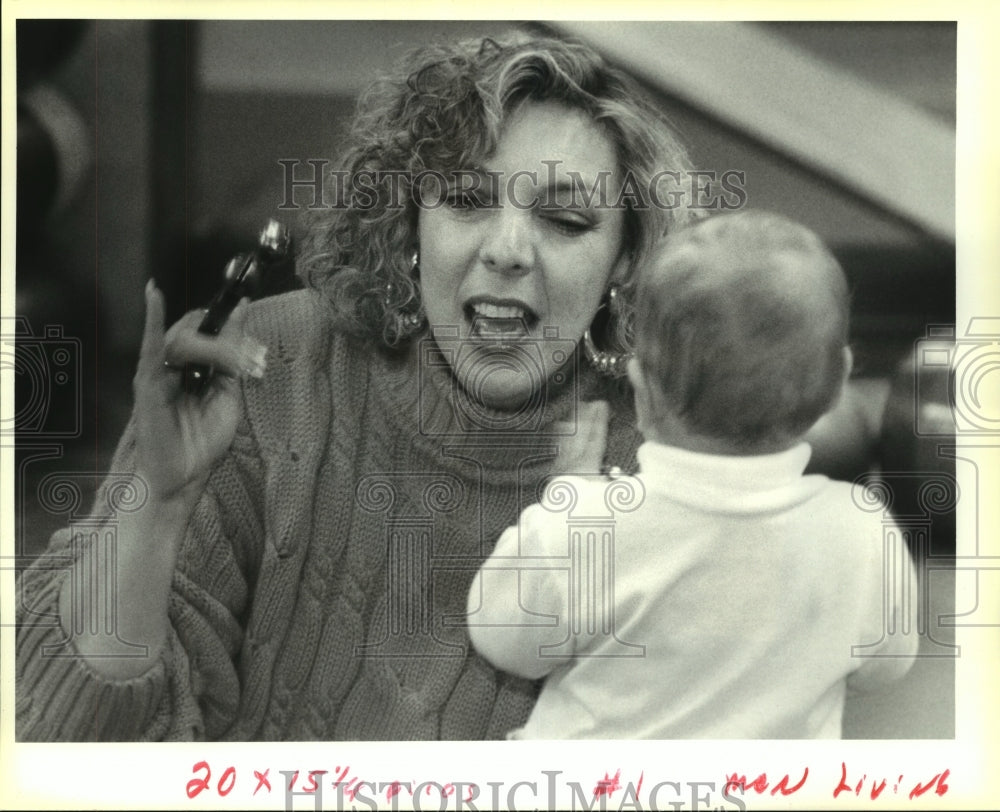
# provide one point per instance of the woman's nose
(508, 244)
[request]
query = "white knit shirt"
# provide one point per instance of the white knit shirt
(708, 597)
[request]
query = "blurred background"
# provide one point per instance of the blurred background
(152, 148)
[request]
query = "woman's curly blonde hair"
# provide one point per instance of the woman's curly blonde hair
(442, 111)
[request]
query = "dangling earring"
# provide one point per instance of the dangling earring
(416, 319)
(410, 322)
(607, 363)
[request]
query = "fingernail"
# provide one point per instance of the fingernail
(256, 361)
(150, 286)
(260, 355)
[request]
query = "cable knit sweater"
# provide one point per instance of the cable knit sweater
(320, 589)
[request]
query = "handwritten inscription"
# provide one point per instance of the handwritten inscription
(760, 784)
(612, 788)
(938, 783)
(310, 782)
(873, 787)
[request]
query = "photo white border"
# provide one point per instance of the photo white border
(155, 776)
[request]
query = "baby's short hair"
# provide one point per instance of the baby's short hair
(740, 327)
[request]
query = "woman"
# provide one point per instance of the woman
(299, 567)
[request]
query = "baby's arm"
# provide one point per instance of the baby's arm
(516, 607)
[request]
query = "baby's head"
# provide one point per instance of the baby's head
(740, 334)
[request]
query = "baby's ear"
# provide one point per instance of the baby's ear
(848, 365)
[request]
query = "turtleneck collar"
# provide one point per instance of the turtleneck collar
(744, 484)
(424, 397)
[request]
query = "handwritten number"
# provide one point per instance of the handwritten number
(196, 785)
(230, 775)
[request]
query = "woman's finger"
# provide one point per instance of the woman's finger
(231, 352)
(189, 321)
(151, 383)
(151, 352)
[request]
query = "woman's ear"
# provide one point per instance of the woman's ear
(620, 271)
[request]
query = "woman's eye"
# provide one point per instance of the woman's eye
(466, 200)
(567, 221)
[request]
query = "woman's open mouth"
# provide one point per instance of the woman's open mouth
(499, 321)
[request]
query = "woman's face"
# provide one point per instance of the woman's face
(519, 263)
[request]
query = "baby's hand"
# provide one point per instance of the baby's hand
(581, 448)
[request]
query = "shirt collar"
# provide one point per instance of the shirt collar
(751, 484)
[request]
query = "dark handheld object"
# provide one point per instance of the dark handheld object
(244, 275)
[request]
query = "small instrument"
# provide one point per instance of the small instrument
(244, 276)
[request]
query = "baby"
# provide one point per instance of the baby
(736, 598)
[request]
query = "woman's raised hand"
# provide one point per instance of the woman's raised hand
(179, 435)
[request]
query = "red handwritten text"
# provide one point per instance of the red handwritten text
(938, 782)
(760, 784)
(607, 786)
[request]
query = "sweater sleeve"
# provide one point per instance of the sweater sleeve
(517, 605)
(192, 689)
